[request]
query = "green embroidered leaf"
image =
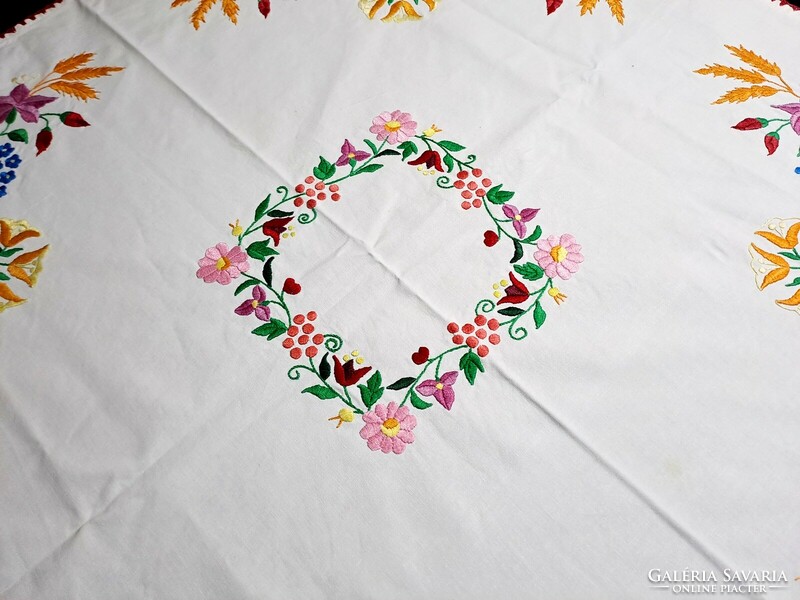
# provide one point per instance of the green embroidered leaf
(408, 148)
(401, 383)
(537, 233)
(12, 116)
(451, 146)
(10, 252)
(322, 392)
(18, 135)
(497, 195)
(518, 251)
(266, 272)
(244, 285)
(539, 315)
(324, 170)
(279, 213)
(789, 255)
(511, 311)
(372, 146)
(449, 163)
(370, 168)
(271, 329)
(261, 250)
(418, 402)
(388, 152)
(324, 368)
(530, 271)
(262, 207)
(471, 363)
(373, 391)
(4, 277)
(795, 282)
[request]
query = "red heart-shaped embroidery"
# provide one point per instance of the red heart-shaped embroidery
(421, 356)
(490, 238)
(291, 287)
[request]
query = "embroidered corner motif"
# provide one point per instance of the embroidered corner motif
(230, 8)
(776, 264)
(588, 6)
(517, 300)
(21, 108)
(396, 11)
(16, 263)
(766, 79)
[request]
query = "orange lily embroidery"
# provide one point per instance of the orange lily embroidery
(772, 267)
(23, 266)
(399, 10)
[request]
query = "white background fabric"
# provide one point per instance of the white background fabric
(150, 447)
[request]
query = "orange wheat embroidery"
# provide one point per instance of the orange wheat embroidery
(69, 75)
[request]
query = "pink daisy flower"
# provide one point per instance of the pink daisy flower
(559, 256)
(388, 428)
(394, 127)
(221, 265)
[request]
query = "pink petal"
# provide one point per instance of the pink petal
(567, 239)
(374, 443)
(386, 444)
(206, 262)
(371, 417)
(562, 271)
(222, 248)
(401, 413)
(547, 245)
(369, 430)
(214, 254)
(207, 271)
(550, 269)
(391, 410)
(427, 387)
(263, 313)
(520, 228)
(510, 211)
(529, 213)
(245, 308)
(569, 265)
(446, 396)
(406, 436)
(398, 445)
(380, 410)
(449, 378)
(408, 422)
(224, 277)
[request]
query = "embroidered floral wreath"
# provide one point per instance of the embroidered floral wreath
(517, 301)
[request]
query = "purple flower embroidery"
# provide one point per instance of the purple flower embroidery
(794, 110)
(27, 106)
(442, 389)
(519, 217)
(349, 153)
(248, 307)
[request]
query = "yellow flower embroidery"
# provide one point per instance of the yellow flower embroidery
(773, 266)
(396, 10)
(15, 262)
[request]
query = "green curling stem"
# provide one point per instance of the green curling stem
(306, 218)
(485, 306)
(333, 342)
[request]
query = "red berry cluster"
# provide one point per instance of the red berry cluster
(315, 192)
(472, 190)
(300, 334)
(476, 334)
